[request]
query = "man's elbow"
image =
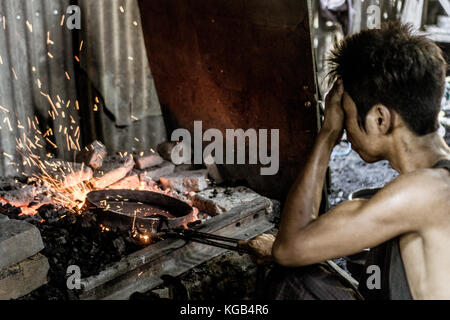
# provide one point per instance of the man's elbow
(288, 256)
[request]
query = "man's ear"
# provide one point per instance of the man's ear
(383, 118)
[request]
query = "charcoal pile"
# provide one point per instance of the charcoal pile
(72, 239)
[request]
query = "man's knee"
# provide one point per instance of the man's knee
(288, 283)
(314, 282)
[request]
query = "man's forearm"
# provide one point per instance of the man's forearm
(303, 202)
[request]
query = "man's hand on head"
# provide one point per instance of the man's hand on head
(333, 122)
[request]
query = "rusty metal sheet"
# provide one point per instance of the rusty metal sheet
(237, 64)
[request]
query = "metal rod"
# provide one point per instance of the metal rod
(201, 237)
(217, 244)
(193, 233)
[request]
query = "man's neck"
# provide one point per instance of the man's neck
(410, 152)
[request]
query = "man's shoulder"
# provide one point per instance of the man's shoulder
(423, 180)
(424, 189)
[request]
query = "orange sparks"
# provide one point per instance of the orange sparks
(77, 105)
(81, 45)
(134, 118)
(53, 145)
(49, 132)
(14, 72)
(72, 144)
(76, 58)
(51, 103)
(78, 145)
(67, 76)
(62, 20)
(7, 155)
(6, 120)
(30, 26)
(67, 142)
(48, 39)
(31, 144)
(122, 9)
(50, 55)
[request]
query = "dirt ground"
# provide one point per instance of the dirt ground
(351, 173)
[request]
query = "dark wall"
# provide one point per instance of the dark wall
(237, 64)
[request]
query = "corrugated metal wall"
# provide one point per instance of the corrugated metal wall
(36, 53)
(112, 83)
(114, 60)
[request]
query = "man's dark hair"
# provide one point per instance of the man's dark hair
(394, 67)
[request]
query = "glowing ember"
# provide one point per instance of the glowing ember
(29, 211)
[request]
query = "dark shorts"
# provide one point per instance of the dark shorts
(315, 282)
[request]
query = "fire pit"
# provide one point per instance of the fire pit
(125, 240)
(142, 270)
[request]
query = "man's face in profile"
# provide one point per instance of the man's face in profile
(363, 142)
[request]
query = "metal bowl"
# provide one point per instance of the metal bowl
(147, 211)
(366, 193)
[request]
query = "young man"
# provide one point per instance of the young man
(387, 96)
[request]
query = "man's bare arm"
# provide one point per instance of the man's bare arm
(399, 208)
(303, 201)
